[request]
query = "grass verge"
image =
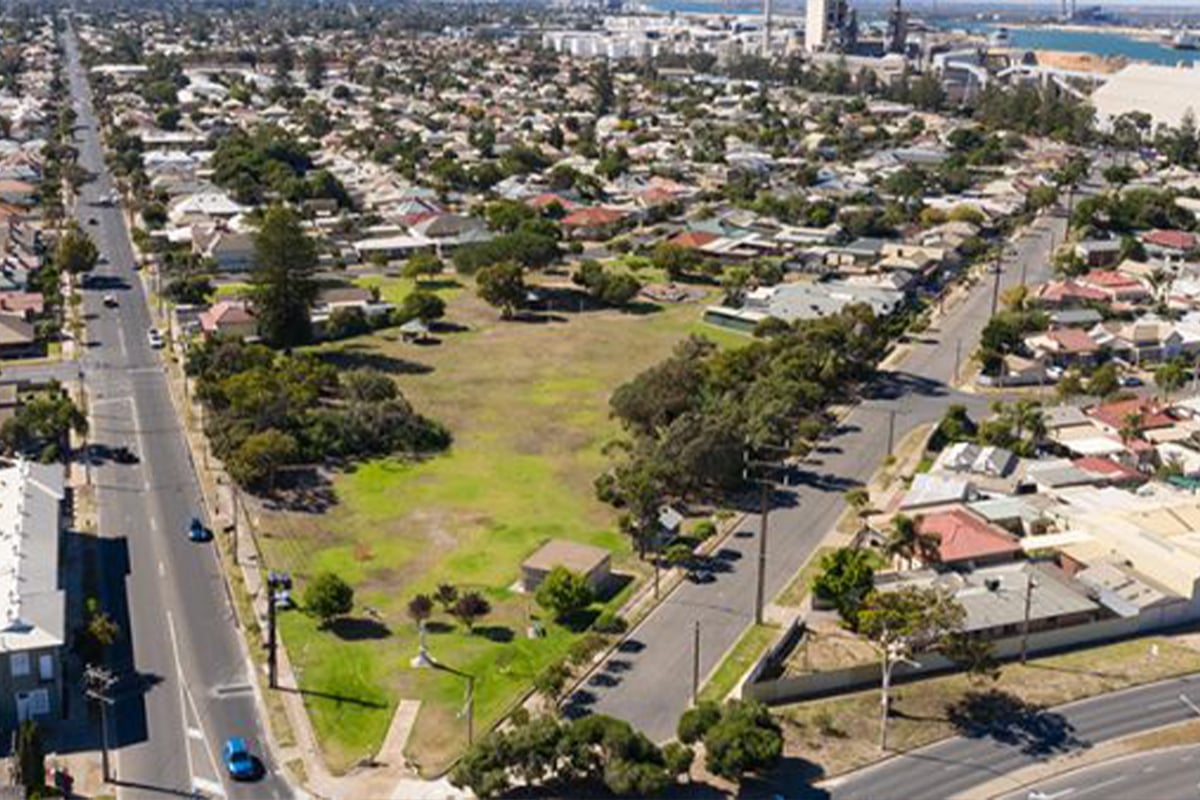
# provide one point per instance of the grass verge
(840, 734)
(752, 644)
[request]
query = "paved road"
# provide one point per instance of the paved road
(1172, 774)
(648, 682)
(185, 685)
(958, 765)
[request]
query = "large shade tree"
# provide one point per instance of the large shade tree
(284, 289)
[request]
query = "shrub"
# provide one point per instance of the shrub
(610, 622)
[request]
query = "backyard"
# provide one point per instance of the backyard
(527, 403)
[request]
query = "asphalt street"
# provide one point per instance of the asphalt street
(185, 683)
(1172, 774)
(648, 681)
(955, 766)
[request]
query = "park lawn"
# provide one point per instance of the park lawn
(527, 404)
(232, 289)
(841, 734)
(393, 289)
(737, 662)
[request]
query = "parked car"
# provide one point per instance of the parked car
(110, 300)
(198, 531)
(1129, 381)
(155, 337)
(240, 765)
(1054, 373)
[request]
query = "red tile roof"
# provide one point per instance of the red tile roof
(1061, 291)
(1115, 414)
(1073, 340)
(1175, 240)
(1111, 279)
(592, 217)
(694, 240)
(963, 536)
(547, 199)
(226, 312)
(1108, 468)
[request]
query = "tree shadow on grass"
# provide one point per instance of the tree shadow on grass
(357, 629)
(436, 626)
(337, 698)
(494, 633)
(357, 356)
(1011, 721)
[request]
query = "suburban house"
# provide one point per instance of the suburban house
(1099, 252)
(229, 318)
(231, 251)
(593, 224)
(32, 599)
(18, 339)
(1064, 347)
(967, 540)
(1169, 244)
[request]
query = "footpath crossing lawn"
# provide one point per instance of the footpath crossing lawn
(527, 403)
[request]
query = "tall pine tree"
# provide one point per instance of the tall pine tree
(284, 289)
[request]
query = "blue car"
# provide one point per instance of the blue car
(240, 765)
(197, 531)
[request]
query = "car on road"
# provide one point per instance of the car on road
(123, 455)
(91, 220)
(240, 765)
(155, 337)
(110, 300)
(198, 531)
(1129, 381)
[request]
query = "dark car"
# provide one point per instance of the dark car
(198, 531)
(123, 455)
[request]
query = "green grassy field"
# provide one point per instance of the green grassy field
(528, 406)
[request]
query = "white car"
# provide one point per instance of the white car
(154, 335)
(110, 300)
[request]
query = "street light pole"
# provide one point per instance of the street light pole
(1030, 585)
(696, 663)
(760, 589)
(97, 681)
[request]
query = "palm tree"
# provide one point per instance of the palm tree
(1131, 427)
(859, 499)
(906, 541)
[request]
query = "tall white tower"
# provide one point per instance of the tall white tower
(816, 25)
(766, 29)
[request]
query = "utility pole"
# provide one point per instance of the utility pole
(277, 582)
(1030, 585)
(892, 424)
(97, 681)
(696, 663)
(765, 485)
(996, 285)
(760, 588)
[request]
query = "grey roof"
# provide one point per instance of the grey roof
(1027, 508)
(1064, 417)
(32, 605)
(1076, 316)
(995, 596)
(931, 490)
(1118, 589)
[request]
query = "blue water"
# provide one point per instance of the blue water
(1102, 44)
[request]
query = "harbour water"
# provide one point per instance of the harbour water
(1102, 44)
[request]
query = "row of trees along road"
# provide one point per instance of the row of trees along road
(689, 418)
